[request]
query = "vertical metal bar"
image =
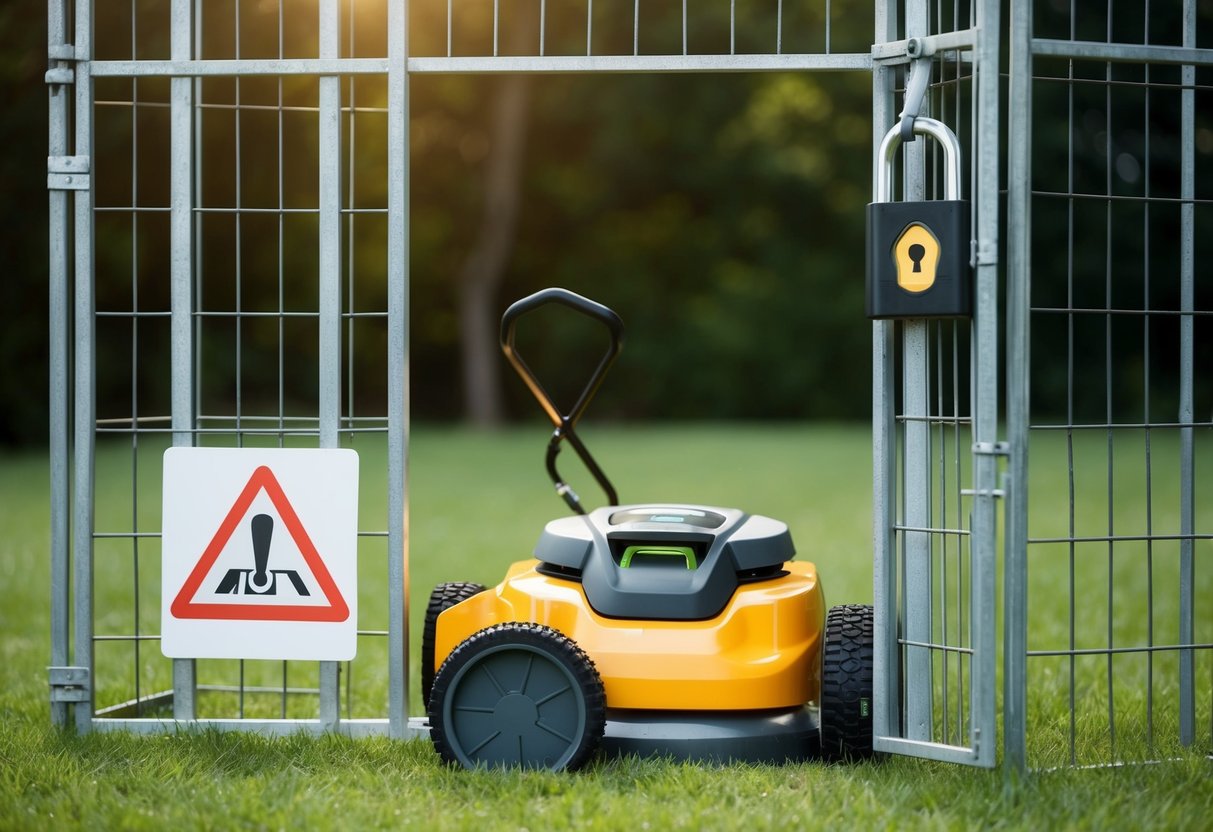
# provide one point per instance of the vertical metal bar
(1019, 274)
(398, 367)
(636, 27)
(84, 342)
(238, 243)
(886, 716)
(59, 226)
(1187, 462)
(1070, 486)
(134, 376)
(779, 29)
(916, 460)
(732, 27)
(943, 523)
(1108, 385)
(330, 283)
(983, 548)
(181, 265)
(1146, 413)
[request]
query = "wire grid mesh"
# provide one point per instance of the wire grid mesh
(935, 424)
(256, 320)
(1120, 635)
(931, 388)
(604, 28)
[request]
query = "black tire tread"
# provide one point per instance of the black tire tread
(444, 596)
(846, 683)
(560, 647)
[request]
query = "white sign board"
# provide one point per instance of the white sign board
(260, 554)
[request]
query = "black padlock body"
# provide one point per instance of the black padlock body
(951, 295)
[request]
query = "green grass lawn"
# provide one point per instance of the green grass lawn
(477, 503)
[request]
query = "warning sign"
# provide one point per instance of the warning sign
(260, 553)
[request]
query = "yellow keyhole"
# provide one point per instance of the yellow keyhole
(916, 254)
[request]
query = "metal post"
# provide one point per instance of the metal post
(181, 230)
(59, 224)
(886, 717)
(916, 460)
(984, 523)
(1019, 204)
(330, 285)
(1187, 462)
(85, 370)
(398, 368)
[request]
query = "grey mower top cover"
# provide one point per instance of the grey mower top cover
(664, 562)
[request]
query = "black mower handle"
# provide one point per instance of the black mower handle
(565, 423)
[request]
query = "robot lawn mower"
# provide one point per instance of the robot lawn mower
(681, 630)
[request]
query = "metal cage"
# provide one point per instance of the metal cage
(159, 243)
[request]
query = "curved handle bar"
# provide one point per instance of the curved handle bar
(565, 423)
(509, 323)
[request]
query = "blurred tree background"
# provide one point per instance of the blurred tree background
(722, 216)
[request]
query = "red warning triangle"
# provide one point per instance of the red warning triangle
(263, 479)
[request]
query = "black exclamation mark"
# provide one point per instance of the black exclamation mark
(261, 582)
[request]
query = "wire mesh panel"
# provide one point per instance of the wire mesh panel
(631, 35)
(248, 291)
(1116, 311)
(935, 400)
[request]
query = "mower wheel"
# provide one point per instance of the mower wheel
(443, 597)
(517, 695)
(846, 683)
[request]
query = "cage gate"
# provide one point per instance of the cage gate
(209, 84)
(1108, 632)
(157, 243)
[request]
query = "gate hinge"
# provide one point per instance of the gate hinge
(63, 52)
(69, 684)
(67, 173)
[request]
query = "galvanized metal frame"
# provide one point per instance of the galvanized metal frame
(1019, 723)
(919, 537)
(72, 679)
(917, 527)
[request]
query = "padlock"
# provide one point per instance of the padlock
(918, 257)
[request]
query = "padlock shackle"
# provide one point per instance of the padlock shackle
(923, 126)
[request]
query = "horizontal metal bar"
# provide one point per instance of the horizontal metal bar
(242, 106)
(357, 728)
(271, 66)
(1124, 426)
(1090, 310)
(968, 651)
(1105, 651)
(144, 313)
(1120, 52)
(640, 63)
(242, 431)
(1120, 538)
(1132, 198)
(125, 535)
(928, 530)
(932, 750)
(937, 420)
